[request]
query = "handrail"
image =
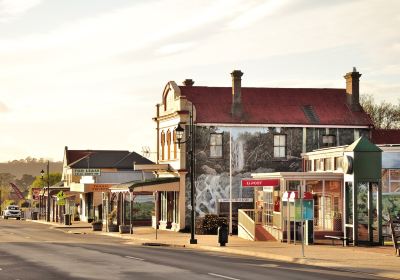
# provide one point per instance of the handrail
(246, 221)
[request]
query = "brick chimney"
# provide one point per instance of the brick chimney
(353, 89)
(237, 110)
(188, 82)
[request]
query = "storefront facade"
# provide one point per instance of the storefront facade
(344, 186)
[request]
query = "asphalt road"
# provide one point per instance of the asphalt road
(36, 251)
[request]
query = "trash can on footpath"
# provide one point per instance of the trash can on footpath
(34, 215)
(222, 235)
(67, 219)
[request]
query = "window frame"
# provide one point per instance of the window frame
(280, 146)
(221, 134)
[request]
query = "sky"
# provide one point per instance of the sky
(88, 74)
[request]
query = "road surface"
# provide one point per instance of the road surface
(36, 251)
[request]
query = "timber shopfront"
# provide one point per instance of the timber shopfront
(341, 185)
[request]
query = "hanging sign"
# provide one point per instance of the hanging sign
(86, 171)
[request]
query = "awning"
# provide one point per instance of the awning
(149, 185)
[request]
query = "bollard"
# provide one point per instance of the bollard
(223, 235)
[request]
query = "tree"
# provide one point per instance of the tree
(39, 183)
(384, 115)
(6, 179)
(25, 181)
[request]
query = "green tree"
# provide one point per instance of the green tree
(384, 115)
(40, 183)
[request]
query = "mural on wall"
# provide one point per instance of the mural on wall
(251, 151)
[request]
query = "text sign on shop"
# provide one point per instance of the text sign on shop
(36, 193)
(98, 187)
(86, 171)
(246, 183)
(235, 200)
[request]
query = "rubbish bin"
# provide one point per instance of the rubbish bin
(34, 215)
(223, 235)
(67, 219)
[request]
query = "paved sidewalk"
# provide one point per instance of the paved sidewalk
(379, 261)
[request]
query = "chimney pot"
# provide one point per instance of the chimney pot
(237, 110)
(353, 89)
(188, 82)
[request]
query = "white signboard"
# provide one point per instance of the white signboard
(235, 200)
(86, 171)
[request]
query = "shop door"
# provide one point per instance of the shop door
(367, 211)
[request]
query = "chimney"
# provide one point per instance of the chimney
(237, 110)
(353, 89)
(188, 82)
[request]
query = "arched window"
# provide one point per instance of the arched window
(162, 145)
(175, 146)
(169, 143)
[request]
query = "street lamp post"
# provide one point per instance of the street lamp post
(191, 140)
(48, 191)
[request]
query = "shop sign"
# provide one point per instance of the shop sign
(235, 200)
(86, 171)
(308, 209)
(36, 193)
(259, 183)
(99, 187)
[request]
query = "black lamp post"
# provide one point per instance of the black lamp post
(48, 191)
(191, 139)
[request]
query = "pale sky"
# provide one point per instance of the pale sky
(87, 74)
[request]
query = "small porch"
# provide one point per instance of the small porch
(281, 197)
(162, 197)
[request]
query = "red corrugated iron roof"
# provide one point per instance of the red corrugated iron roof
(274, 106)
(386, 136)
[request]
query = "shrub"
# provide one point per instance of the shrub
(209, 224)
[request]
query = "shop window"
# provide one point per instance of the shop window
(328, 140)
(308, 165)
(216, 145)
(328, 164)
(279, 145)
(162, 145)
(319, 164)
(338, 163)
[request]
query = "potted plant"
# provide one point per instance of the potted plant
(111, 217)
(97, 225)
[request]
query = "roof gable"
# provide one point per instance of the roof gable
(362, 144)
(104, 159)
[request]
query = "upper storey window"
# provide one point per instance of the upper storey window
(279, 145)
(162, 145)
(216, 145)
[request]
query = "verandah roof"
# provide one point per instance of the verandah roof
(149, 185)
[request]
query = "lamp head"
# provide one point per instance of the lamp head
(42, 173)
(179, 133)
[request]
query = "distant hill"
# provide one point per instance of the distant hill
(29, 166)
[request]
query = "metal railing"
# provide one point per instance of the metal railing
(246, 221)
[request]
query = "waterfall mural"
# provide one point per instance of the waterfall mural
(252, 152)
(245, 150)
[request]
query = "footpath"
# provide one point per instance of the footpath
(379, 261)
